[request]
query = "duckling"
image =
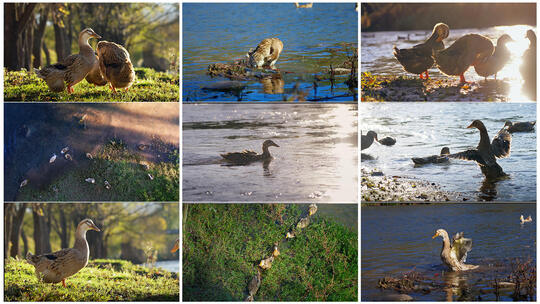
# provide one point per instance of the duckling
(525, 220)
(63, 151)
(312, 209)
(52, 159)
(418, 60)
(433, 159)
(115, 65)
(57, 266)
(471, 49)
(265, 54)
(275, 252)
(497, 61)
(303, 223)
(290, 234)
(266, 263)
(528, 67)
(23, 183)
(520, 126)
(90, 180)
(68, 156)
(73, 68)
(248, 156)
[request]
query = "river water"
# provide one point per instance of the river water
(422, 129)
(406, 244)
(377, 56)
(313, 39)
(317, 158)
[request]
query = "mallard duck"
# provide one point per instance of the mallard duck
(266, 263)
(89, 155)
(387, 141)
(57, 266)
(107, 185)
(433, 159)
(290, 234)
(176, 246)
(265, 54)
(303, 223)
(528, 66)
(248, 156)
(471, 49)
(73, 68)
(525, 220)
(454, 255)
(520, 126)
(63, 151)
(312, 209)
(94, 76)
(115, 65)
(486, 154)
(254, 285)
(23, 183)
(309, 5)
(497, 61)
(68, 156)
(368, 139)
(418, 60)
(52, 159)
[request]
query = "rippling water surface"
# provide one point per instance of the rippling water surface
(422, 129)
(312, 39)
(377, 56)
(317, 158)
(406, 244)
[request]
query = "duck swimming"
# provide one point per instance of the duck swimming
(418, 60)
(368, 139)
(248, 156)
(497, 61)
(471, 49)
(520, 126)
(525, 220)
(433, 159)
(486, 154)
(454, 255)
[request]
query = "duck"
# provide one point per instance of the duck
(433, 159)
(94, 76)
(248, 156)
(115, 65)
(368, 139)
(312, 209)
(303, 223)
(454, 255)
(73, 68)
(176, 246)
(52, 159)
(528, 66)
(275, 251)
(57, 266)
(497, 61)
(513, 127)
(417, 60)
(290, 234)
(64, 150)
(387, 141)
(254, 285)
(471, 49)
(266, 263)
(486, 153)
(23, 183)
(525, 220)
(308, 5)
(265, 54)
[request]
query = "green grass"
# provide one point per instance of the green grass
(149, 86)
(124, 171)
(223, 242)
(100, 280)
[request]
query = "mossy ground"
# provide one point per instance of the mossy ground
(100, 280)
(123, 169)
(149, 86)
(222, 243)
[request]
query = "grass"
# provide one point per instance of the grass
(123, 169)
(222, 243)
(100, 280)
(149, 86)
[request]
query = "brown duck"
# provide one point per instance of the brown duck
(486, 154)
(497, 61)
(513, 127)
(418, 60)
(528, 67)
(368, 139)
(248, 156)
(433, 159)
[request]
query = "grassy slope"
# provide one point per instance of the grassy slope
(149, 86)
(122, 169)
(221, 244)
(101, 280)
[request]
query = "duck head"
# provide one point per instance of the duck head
(445, 150)
(440, 232)
(477, 124)
(508, 123)
(87, 224)
(442, 30)
(373, 135)
(504, 39)
(268, 143)
(531, 36)
(88, 33)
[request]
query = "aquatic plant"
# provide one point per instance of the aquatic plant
(524, 277)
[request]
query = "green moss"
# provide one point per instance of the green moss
(149, 86)
(100, 280)
(222, 243)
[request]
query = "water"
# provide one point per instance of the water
(377, 56)
(312, 39)
(317, 158)
(495, 229)
(33, 132)
(422, 129)
(172, 265)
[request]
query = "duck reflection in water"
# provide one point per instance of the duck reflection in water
(273, 84)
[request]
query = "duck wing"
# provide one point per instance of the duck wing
(472, 155)
(500, 145)
(461, 246)
(239, 156)
(418, 58)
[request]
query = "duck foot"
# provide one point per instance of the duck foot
(64, 282)
(462, 79)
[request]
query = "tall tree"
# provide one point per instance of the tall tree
(18, 20)
(42, 236)
(39, 33)
(16, 223)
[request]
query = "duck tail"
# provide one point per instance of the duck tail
(30, 258)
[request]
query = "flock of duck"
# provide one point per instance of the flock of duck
(485, 154)
(110, 63)
(468, 50)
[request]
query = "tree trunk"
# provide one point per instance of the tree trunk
(47, 54)
(9, 209)
(17, 17)
(41, 230)
(64, 234)
(16, 230)
(61, 43)
(38, 36)
(25, 242)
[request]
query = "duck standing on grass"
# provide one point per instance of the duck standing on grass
(57, 266)
(73, 68)
(115, 65)
(497, 61)
(418, 60)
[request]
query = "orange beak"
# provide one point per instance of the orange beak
(176, 245)
(94, 227)
(436, 235)
(470, 126)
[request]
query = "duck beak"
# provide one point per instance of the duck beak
(470, 126)
(436, 235)
(175, 248)
(96, 36)
(276, 145)
(94, 227)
